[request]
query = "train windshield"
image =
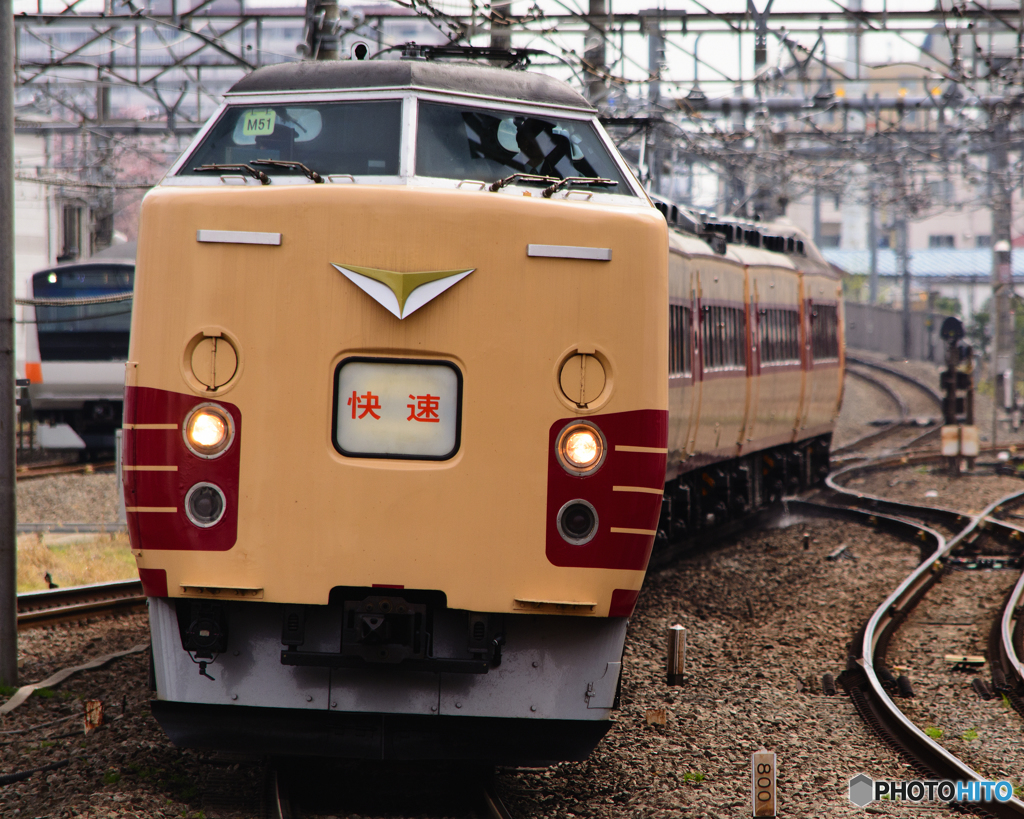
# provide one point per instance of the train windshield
(84, 332)
(456, 142)
(351, 138)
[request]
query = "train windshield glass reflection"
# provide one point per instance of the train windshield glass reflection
(356, 138)
(83, 332)
(454, 142)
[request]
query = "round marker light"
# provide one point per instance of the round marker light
(581, 448)
(209, 430)
(577, 522)
(205, 504)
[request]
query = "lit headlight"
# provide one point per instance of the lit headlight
(581, 448)
(208, 430)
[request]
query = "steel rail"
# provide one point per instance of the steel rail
(952, 518)
(883, 623)
(932, 393)
(53, 606)
(878, 434)
(1008, 631)
(280, 799)
(492, 802)
(875, 704)
(43, 471)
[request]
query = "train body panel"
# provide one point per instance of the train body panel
(296, 318)
(776, 377)
(722, 348)
(826, 355)
(546, 673)
(401, 435)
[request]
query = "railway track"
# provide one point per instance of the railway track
(867, 679)
(284, 795)
(49, 468)
(54, 606)
(915, 424)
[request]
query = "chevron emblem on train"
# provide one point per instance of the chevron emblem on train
(401, 294)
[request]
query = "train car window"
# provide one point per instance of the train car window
(356, 138)
(455, 142)
(91, 332)
(824, 332)
(680, 341)
(724, 338)
(780, 336)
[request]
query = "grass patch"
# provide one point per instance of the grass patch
(933, 732)
(73, 560)
(46, 693)
(111, 778)
(693, 776)
(7, 690)
(969, 734)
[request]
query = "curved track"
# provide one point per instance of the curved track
(914, 426)
(863, 678)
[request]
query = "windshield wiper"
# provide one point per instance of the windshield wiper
(524, 177)
(285, 163)
(255, 174)
(577, 180)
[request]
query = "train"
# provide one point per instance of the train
(75, 353)
(419, 377)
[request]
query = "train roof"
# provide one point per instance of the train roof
(461, 77)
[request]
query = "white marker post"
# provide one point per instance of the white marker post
(762, 765)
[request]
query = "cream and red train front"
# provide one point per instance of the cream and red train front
(395, 446)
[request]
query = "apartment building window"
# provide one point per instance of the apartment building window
(70, 232)
(830, 234)
(937, 240)
(983, 240)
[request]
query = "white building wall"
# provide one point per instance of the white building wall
(32, 221)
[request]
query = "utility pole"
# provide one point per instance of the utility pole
(873, 249)
(595, 58)
(903, 258)
(1002, 273)
(655, 64)
(8, 513)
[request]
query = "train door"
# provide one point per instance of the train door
(753, 363)
(805, 362)
(698, 363)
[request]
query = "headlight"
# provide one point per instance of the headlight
(208, 430)
(205, 504)
(577, 522)
(581, 448)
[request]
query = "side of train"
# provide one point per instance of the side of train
(401, 404)
(755, 368)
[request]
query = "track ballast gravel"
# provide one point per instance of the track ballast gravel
(765, 619)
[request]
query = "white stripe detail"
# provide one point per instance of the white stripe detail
(238, 237)
(592, 254)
